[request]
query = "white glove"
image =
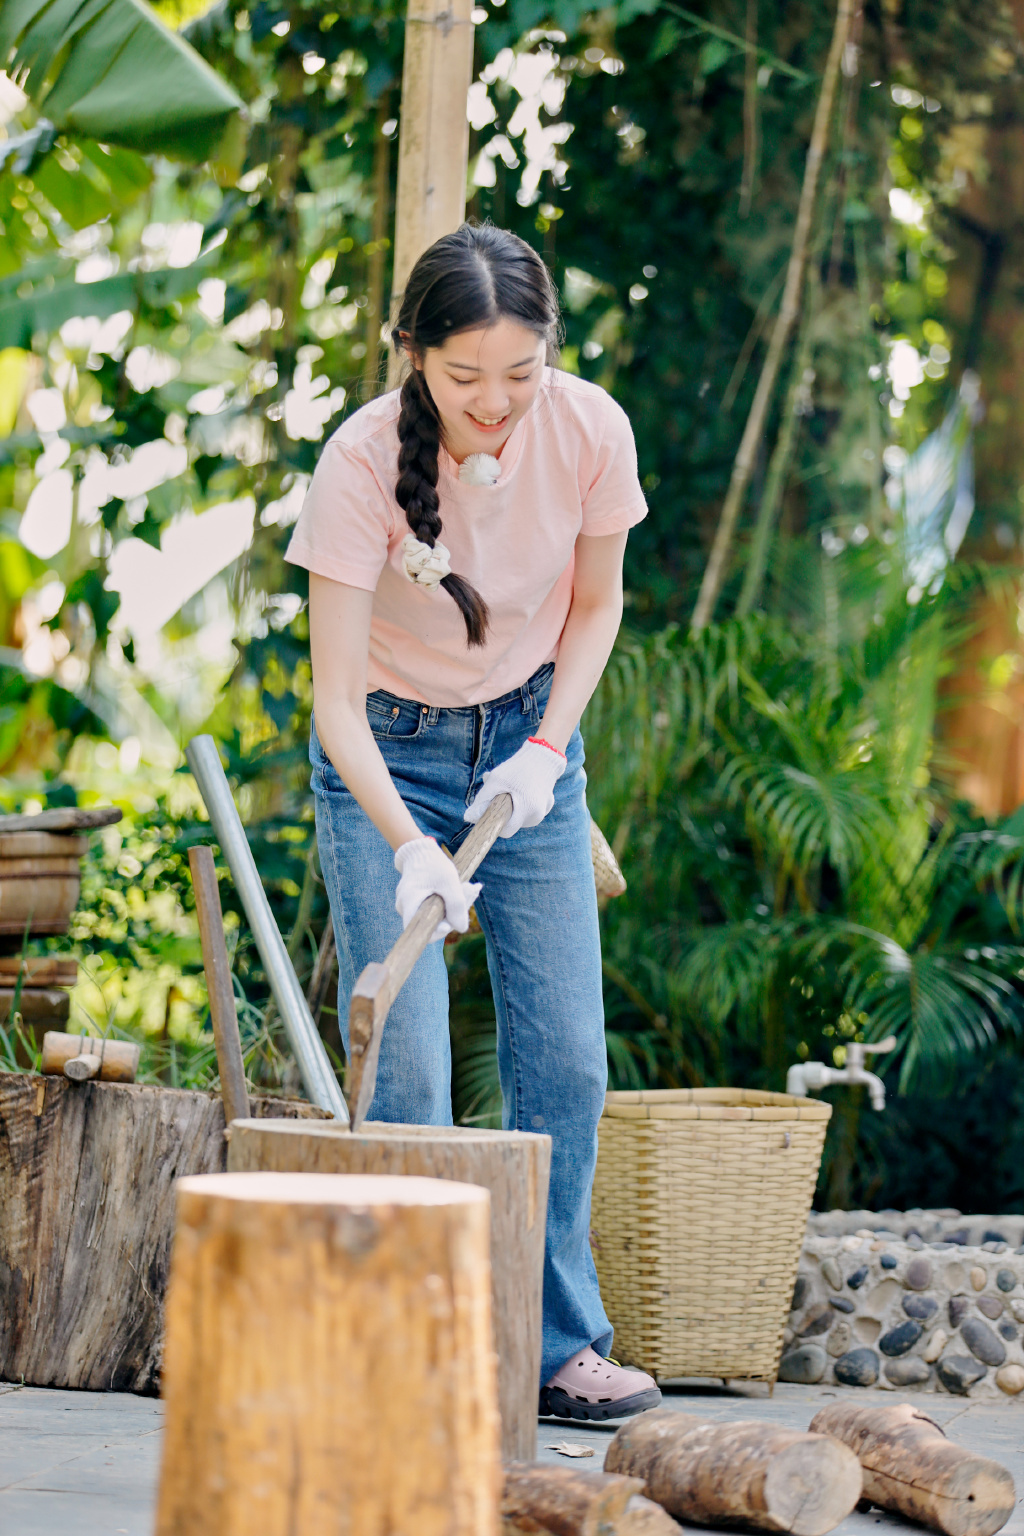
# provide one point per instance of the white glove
(426, 871)
(529, 776)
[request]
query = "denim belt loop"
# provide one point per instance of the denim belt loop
(432, 714)
(527, 698)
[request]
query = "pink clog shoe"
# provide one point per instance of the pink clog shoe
(590, 1387)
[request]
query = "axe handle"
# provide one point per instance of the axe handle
(380, 982)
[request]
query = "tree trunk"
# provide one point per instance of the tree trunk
(715, 571)
(373, 315)
(329, 1359)
(433, 144)
(912, 1469)
(738, 1474)
(86, 1191)
(513, 1166)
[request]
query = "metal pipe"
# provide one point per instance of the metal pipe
(317, 1074)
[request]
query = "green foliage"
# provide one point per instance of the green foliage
(113, 71)
(799, 875)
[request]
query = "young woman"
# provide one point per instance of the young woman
(464, 538)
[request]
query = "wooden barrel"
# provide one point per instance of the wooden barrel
(40, 878)
(513, 1165)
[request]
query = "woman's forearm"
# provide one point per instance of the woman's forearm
(346, 737)
(583, 652)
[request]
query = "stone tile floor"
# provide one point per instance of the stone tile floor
(86, 1464)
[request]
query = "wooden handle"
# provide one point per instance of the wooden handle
(118, 1059)
(218, 984)
(380, 982)
(81, 1068)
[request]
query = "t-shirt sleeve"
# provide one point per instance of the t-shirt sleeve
(345, 523)
(614, 500)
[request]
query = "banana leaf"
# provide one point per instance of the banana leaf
(111, 70)
(47, 306)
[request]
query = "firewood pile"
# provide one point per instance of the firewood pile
(664, 1467)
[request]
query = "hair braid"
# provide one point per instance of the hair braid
(419, 441)
(473, 277)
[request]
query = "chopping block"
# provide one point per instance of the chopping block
(513, 1165)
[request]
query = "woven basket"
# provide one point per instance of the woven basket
(700, 1203)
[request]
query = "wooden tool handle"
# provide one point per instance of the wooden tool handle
(118, 1059)
(380, 982)
(218, 984)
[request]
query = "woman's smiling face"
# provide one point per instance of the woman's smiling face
(482, 383)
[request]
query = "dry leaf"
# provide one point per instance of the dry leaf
(570, 1448)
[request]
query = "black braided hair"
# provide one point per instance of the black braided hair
(473, 277)
(419, 438)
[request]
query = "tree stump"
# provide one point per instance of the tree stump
(86, 1194)
(512, 1165)
(911, 1468)
(742, 1473)
(329, 1360)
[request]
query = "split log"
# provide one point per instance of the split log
(563, 1501)
(743, 1473)
(86, 1191)
(117, 1060)
(512, 1165)
(329, 1364)
(911, 1468)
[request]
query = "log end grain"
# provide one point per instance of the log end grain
(811, 1485)
(81, 1068)
(645, 1518)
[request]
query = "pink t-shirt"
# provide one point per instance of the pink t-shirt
(569, 467)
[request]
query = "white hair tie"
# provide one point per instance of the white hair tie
(425, 565)
(480, 469)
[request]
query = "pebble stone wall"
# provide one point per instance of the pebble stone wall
(921, 1300)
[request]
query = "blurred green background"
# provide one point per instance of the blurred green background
(815, 797)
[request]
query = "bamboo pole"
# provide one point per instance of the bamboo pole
(743, 467)
(433, 143)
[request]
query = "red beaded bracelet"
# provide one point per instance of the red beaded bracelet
(539, 741)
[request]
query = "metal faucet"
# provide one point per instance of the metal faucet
(811, 1076)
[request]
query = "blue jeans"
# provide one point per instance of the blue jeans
(538, 911)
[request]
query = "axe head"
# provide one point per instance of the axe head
(368, 1010)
